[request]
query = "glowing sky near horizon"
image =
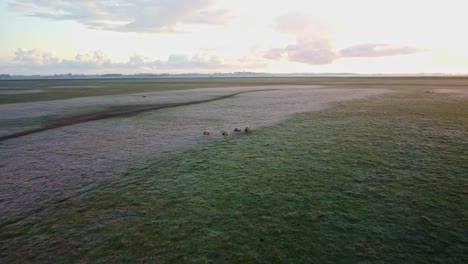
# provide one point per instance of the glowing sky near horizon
(179, 36)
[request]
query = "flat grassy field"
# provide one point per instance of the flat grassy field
(67, 89)
(50, 90)
(382, 180)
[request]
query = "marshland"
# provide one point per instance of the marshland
(332, 169)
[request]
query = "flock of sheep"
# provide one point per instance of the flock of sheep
(226, 134)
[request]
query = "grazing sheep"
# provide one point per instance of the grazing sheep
(237, 130)
(206, 133)
(225, 133)
(248, 130)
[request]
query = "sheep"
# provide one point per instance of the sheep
(248, 130)
(225, 133)
(206, 133)
(237, 130)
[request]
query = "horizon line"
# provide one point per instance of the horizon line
(7, 76)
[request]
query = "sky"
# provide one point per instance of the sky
(209, 36)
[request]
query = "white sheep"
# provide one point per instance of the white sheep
(225, 133)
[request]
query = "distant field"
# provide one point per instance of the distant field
(42, 90)
(140, 91)
(376, 180)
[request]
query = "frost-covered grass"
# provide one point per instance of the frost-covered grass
(380, 180)
(66, 89)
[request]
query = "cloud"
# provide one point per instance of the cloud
(126, 15)
(40, 62)
(97, 57)
(315, 53)
(34, 57)
(322, 52)
(314, 40)
(377, 50)
(313, 43)
(312, 52)
(275, 54)
(136, 60)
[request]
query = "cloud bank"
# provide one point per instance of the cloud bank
(37, 61)
(314, 43)
(377, 50)
(125, 15)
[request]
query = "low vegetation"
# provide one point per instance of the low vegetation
(381, 180)
(67, 89)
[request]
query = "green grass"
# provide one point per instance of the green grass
(373, 181)
(81, 88)
(67, 89)
(24, 124)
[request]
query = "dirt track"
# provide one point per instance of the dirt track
(43, 169)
